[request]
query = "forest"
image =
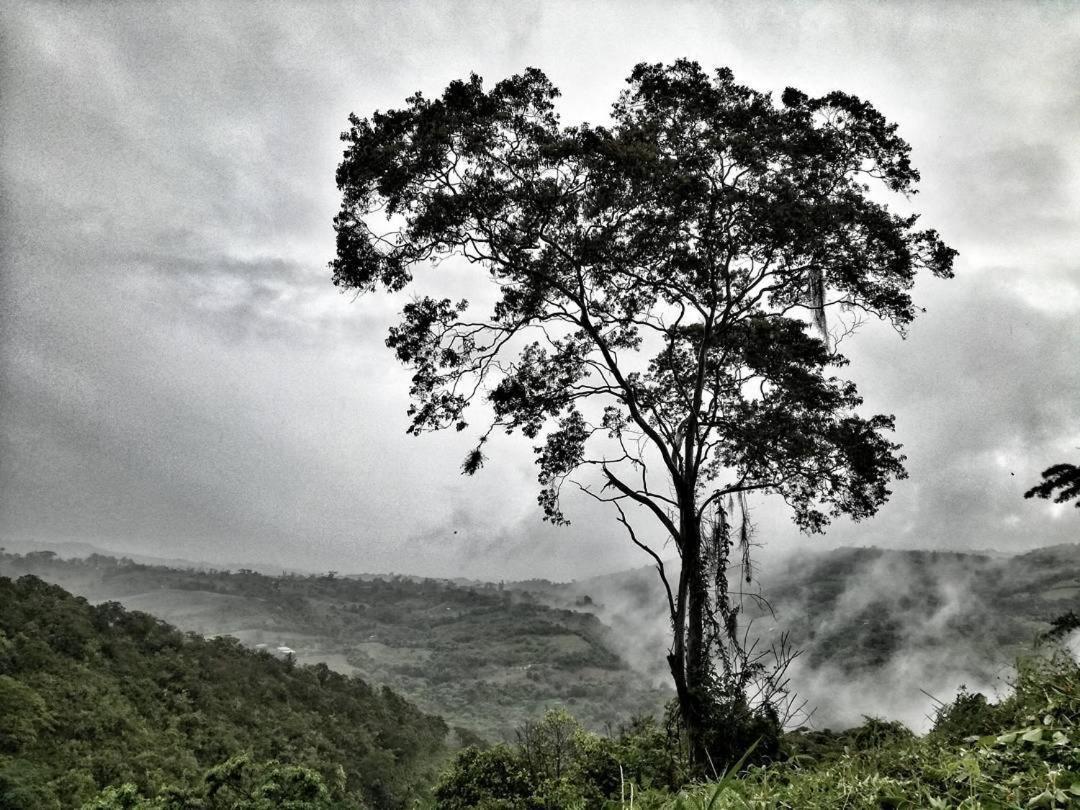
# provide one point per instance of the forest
(484, 657)
(98, 696)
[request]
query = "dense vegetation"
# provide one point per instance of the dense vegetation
(111, 709)
(485, 658)
(1022, 752)
(97, 696)
(490, 657)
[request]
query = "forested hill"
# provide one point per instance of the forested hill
(878, 629)
(484, 658)
(92, 696)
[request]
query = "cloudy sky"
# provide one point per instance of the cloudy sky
(179, 377)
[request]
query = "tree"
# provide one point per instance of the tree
(662, 282)
(1064, 477)
(550, 747)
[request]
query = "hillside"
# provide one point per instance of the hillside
(872, 624)
(98, 696)
(486, 659)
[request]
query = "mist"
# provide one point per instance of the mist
(880, 633)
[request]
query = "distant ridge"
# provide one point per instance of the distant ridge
(80, 550)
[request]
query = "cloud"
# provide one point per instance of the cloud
(984, 392)
(177, 369)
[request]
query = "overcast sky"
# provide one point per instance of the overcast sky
(180, 378)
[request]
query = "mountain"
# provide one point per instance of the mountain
(882, 632)
(78, 549)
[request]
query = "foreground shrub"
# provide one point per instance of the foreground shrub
(1023, 752)
(237, 784)
(492, 780)
(556, 764)
(969, 715)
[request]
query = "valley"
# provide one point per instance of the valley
(489, 657)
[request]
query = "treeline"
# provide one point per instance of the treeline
(98, 696)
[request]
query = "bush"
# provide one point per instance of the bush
(1031, 758)
(969, 715)
(491, 779)
(557, 765)
(876, 732)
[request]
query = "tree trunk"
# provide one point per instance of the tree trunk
(689, 658)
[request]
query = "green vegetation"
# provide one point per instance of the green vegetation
(1020, 753)
(106, 708)
(558, 764)
(237, 784)
(485, 658)
(97, 697)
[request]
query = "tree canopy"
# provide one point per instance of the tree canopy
(663, 282)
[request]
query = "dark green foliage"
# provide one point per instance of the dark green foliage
(1064, 477)
(733, 727)
(874, 733)
(557, 765)
(650, 755)
(1028, 755)
(492, 778)
(1030, 758)
(92, 697)
(237, 784)
(970, 714)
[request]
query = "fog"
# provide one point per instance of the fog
(881, 633)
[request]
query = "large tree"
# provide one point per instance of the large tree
(662, 288)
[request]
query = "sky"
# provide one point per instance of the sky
(178, 376)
